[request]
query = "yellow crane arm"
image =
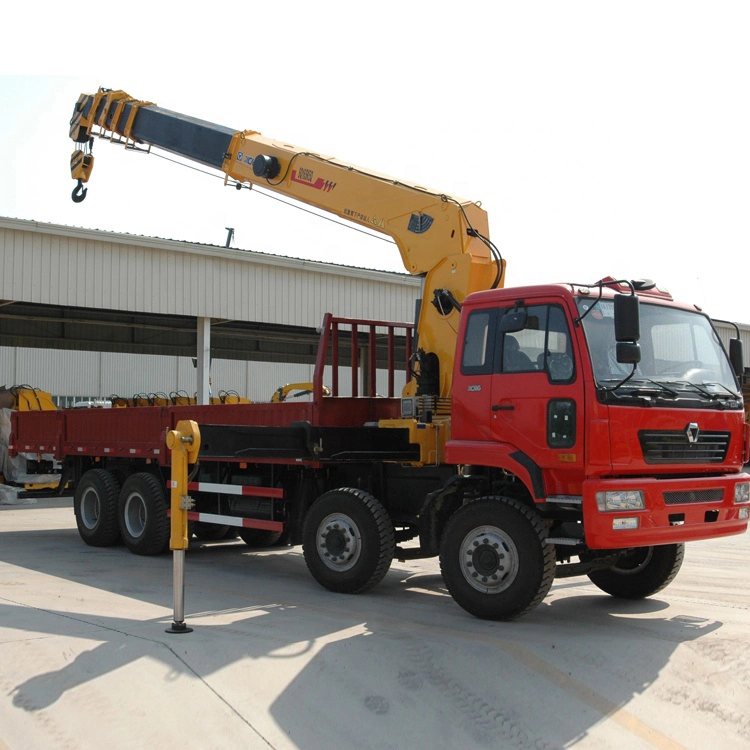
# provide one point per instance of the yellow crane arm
(443, 238)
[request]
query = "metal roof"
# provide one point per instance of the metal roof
(52, 264)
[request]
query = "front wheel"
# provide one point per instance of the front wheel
(144, 523)
(348, 541)
(642, 572)
(495, 560)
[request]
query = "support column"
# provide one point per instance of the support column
(184, 444)
(203, 367)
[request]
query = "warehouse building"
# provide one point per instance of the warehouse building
(88, 314)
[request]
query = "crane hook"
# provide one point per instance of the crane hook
(79, 192)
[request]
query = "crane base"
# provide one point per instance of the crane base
(177, 628)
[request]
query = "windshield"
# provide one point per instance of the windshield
(678, 347)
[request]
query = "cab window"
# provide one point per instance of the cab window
(543, 345)
(479, 340)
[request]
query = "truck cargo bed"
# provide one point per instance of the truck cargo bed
(141, 432)
(364, 347)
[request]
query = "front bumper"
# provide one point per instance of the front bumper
(677, 510)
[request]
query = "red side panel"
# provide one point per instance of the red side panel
(140, 432)
(136, 433)
(36, 432)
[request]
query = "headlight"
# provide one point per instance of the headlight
(742, 492)
(620, 500)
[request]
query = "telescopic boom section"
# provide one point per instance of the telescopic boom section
(442, 238)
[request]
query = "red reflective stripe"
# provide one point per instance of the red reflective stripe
(248, 523)
(236, 489)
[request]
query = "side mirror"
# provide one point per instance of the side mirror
(736, 356)
(628, 352)
(627, 318)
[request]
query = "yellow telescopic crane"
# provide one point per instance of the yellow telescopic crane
(441, 238)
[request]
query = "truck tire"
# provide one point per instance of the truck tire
(259, 538)
(142, 513)
(95, 508)
(495, 560)
(641, 572)
(348, 541)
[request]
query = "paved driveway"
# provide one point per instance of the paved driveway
(276, 661)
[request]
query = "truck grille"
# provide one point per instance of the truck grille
(695, 496)
(673, 447)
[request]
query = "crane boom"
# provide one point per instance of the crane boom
(442, 238)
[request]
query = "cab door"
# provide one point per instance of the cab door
(536, 397)
(473, 377)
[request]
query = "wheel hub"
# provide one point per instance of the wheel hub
(135, 515)
(90, 509)
(489, 559)
(486, 560)
(339, 542)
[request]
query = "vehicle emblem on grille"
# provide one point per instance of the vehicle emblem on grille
(692, 431)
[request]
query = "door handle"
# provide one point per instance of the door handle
(504, 407)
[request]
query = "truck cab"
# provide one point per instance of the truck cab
(642, 440)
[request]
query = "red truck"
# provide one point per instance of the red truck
(543, 431)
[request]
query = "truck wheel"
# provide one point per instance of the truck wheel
(348, 541)
(95, 507)
(495, 560)
(259, 537)
(641, 572)
(142, 513)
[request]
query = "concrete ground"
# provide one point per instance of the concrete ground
(276, 661)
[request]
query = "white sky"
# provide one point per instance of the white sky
(602, 138)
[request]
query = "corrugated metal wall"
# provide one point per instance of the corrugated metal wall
(50, 264)
(55, 265)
